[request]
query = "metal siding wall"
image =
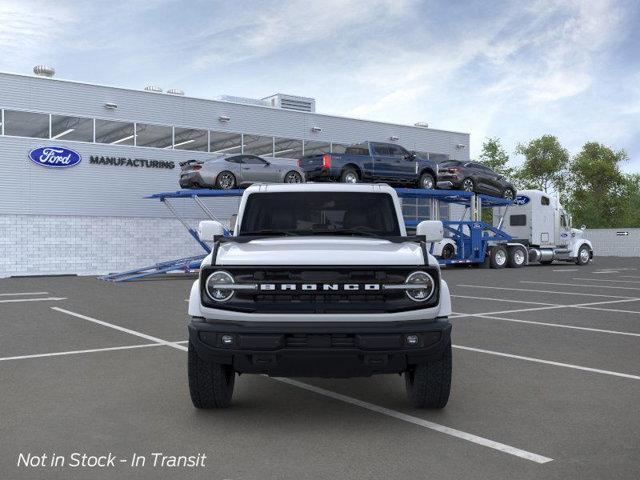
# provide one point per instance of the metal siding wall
(606, 242)
(101, 190)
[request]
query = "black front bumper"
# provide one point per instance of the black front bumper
(345, 349)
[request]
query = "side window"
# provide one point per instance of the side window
(253, 160)
(233, 159)
(517, 220)
(544, 200)
(381, 149)
(563, 221)
(397, 151)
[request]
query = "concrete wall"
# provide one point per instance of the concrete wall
(609, 242)
(53, 245)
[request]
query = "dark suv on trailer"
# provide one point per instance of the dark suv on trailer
(474, 177)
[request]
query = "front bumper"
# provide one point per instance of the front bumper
(338, 349)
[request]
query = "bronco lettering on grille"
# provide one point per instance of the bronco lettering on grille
(319, 286)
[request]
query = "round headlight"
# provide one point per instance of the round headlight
(420, 286)
(214, 283)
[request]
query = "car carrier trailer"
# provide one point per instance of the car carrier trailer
(473, 241)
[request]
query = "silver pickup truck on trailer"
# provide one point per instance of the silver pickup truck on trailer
(320, 280)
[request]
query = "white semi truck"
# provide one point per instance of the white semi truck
(538, 221)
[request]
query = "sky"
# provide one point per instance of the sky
(514, 70)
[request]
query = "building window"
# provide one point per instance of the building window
(191, 139)
(338, 147)
(114, 133)
(158, 136)
(224, 142)
(287, 148)
(312, 147)
(26, 124)
(257, 145)
(72, 128)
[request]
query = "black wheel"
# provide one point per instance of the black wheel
(448, 251)
(293, 177)
(349, 175)
(427, 181)
(498, 257)
(468, 185)
(210, 384)
(225, 180)
(517, 257)
(509, 194)
(584, 255)
(428, 384)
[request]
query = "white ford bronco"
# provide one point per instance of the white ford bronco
(320, 280)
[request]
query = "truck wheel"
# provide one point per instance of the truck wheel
(583, 255)
(517, 257)
(428, 384)
(349, 175)
(210, 384)
(427, 181)
(498, 257)
(448, 251)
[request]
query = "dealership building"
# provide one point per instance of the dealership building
(91, 217)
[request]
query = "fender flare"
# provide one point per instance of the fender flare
(578, 244)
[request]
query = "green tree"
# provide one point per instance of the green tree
(545, 164)
(599, 191)
(495, 157)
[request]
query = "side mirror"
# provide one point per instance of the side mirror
(583, 227)
(208, 230)
(431, 230)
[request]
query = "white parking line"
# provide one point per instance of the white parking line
(565, 269)
(615, 287)
(121, 329)
(392, 413)
(547, 324)
(502, 300)
(548, 362)
(43, 299)
(92, 350)
(76, 352)
(485, 442)
(605, 280)
(548, 291)
(552, 307)
(23, 293)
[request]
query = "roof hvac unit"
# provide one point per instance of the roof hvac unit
(292, 102)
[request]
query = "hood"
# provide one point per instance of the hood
(321, 251)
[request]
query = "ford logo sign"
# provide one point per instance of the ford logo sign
(55, 157)
(521, 200)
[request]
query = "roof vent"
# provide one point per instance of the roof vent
(175, 91)
(422, 124)
(292, 102)
(153, 88)
(44, 71)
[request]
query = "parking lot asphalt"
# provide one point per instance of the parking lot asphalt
(546, 385)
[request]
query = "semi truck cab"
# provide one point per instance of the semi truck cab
(538, 221)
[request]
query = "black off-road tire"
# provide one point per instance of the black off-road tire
(210, 384)
(429, 384)
(346, 174)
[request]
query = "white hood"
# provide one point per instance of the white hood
(295, 251)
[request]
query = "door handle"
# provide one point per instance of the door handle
(245, 168)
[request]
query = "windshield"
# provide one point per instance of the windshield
(320, 213)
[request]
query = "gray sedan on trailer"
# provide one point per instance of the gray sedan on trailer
(234, 171)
